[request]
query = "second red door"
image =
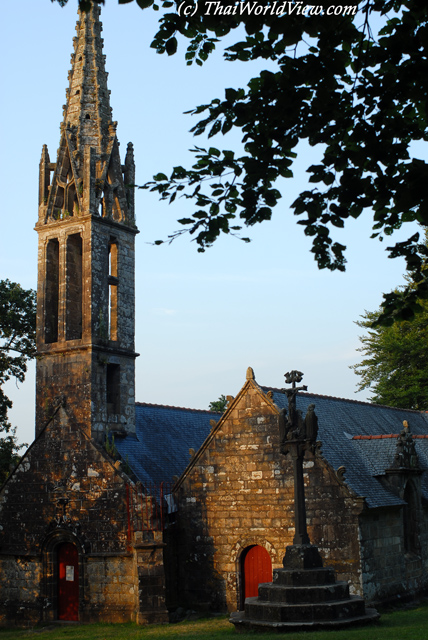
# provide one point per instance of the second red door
(68, 582)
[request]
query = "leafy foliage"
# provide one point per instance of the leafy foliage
(347, 84)
(395, 363)
(219, 405)
(17, 346)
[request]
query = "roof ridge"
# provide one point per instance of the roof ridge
(383, 436)
(369, 404)
(169, 406)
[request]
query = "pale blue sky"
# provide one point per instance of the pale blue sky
(202, 319)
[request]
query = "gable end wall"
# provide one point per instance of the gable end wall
(239, 492)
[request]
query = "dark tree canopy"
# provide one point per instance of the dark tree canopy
(219, 405)
(351, 85)
(17, 346)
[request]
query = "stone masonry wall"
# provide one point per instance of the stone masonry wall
(111, 589)
(239, 492)
(151, 580)
(66, 489)
(389, 570)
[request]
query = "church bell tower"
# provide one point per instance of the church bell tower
(86, 228)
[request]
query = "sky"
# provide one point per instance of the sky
(201, 319)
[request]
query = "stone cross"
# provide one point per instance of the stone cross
(297, 436)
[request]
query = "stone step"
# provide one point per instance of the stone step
(257, 609)
(244, 624)
(304, 577)
(273, 592)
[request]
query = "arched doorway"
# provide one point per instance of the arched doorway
(68, 581)
(256, 567)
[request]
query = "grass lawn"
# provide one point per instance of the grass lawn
(409, 624)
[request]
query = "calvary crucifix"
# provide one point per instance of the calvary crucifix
(298, 435)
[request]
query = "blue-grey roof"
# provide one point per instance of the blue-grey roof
(339, 420)
(160, 448)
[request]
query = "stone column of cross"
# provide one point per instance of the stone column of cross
(295, 442)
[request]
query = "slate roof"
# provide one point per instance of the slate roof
(365, 459)
(160, 448)
(164, 435)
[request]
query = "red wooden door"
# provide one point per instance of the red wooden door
(257, 568)
(68, 582)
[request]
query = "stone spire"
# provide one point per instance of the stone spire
(87, 112)
(88, 176)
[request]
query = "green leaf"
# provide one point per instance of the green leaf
(230, 94)
(215, 128)
(171, 46)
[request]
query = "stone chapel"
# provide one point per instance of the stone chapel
(120, 510)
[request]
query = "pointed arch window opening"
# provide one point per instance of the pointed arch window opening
(52, 291)
(74, 287)
(113, 284)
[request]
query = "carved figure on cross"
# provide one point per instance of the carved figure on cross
(294, 426)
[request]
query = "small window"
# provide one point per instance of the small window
(88, 117)
(113, 388)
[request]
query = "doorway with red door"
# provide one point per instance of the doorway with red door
(68, 581)
(256, 567)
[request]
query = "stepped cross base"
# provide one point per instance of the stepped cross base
(303, 599)
(302, 556)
